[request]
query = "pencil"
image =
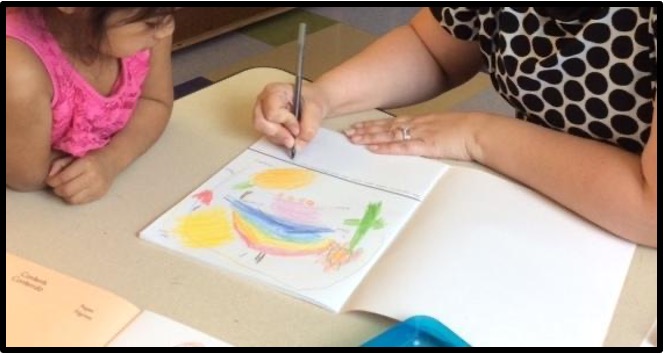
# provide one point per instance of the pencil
(297, 93)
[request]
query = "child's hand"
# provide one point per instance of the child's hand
(58, 164)
(82, 180)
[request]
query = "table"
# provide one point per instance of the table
(98, 242)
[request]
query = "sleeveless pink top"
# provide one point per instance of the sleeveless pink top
(83, 119)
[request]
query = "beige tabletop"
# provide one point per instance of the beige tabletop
(98, 242)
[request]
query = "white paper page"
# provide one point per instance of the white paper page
(297, 225)
(153, 330)
(501, 266)
(332, 154)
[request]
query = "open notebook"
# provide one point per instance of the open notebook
(350, 230)
(46, 308)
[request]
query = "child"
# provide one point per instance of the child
(88, 91)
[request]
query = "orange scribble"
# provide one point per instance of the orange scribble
(338, 255)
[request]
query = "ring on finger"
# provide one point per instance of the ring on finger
(405, 133)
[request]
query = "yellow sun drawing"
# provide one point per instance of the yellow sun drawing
(205, 228)
(283, 178)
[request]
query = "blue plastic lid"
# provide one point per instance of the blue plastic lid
(417, 331)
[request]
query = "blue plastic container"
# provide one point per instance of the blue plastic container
(417, 331)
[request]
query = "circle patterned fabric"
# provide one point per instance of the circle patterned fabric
(594, 76)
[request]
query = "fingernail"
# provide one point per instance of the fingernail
(349, 132)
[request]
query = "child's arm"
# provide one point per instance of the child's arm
(89, 178)
(28, 117)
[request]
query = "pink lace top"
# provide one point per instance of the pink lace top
(83, 119)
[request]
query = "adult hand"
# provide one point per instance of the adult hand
(80, 180)
(448, 135)
(273, 115)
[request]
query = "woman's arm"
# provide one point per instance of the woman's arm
(605, 184)
(410, 64)
(28, 117)
(615, 189)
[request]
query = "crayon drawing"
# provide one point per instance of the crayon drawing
(276, 235)
(288, 225)
(205, 228)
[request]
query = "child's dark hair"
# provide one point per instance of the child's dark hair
(90, 23)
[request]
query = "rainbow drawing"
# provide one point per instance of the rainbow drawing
(274, 235)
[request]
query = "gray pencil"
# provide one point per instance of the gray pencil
(297, 93)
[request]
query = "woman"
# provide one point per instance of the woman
(583, 82)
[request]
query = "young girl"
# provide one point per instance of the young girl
(88, 91)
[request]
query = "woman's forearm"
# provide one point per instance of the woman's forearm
(601, 182)
(395, 70)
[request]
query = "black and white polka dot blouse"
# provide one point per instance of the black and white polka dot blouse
(593, 76)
